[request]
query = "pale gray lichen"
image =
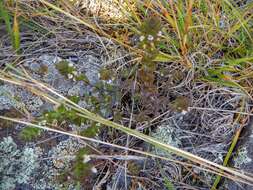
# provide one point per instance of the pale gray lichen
(58, 160)
(87, 65)
(7, 97)
(242, 158)
(28, 162)
(64, 152)
(77, 90)
(34, 103)
(166, 134)
(12, 96)
(16, 166)
(90, 66)
(22, 168)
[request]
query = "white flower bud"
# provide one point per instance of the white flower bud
(150, 37)
(94, 170)
(184, 112)
(142, 38)
(159, 33)
(70, 76)
(70, 64)
(74, 73)
(86, 158)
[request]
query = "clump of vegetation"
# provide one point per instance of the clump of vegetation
(68, 70)
(150, 36)
(81, 166)
(81, 170)
(62, 116)
(30, 133)
(12, 25)
(149, 40)
(180, 104)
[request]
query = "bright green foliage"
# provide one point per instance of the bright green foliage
(91, 131)
(203, 6)
(62, 114)
(81, 169)
(30, 133)
(6, 17)
(68, 70)
(64, 68)
(13, 31)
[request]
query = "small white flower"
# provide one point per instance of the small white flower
(184, 112)
(150, 37)
(94, 170)
(74, 73)
(70, 76)
(70, 65)
(159, 33)
(98, 124)
(109, 81)
(86, 158)
(43, 122)
(142, 38)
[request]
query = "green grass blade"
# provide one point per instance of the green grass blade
(239, 61)
(163, 57)
(16, 33)
(6, 17)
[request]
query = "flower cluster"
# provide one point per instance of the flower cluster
(150, 36)
(68, 69)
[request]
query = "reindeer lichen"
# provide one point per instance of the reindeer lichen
(17, 166)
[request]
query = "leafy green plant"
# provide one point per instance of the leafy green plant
(81, 166)
(68, 70)
(30, 133)
(7, 18)
(80, 170)
(12, 29)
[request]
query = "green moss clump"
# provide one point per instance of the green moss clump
(64, 68)
(29, 133)
(92, 130)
